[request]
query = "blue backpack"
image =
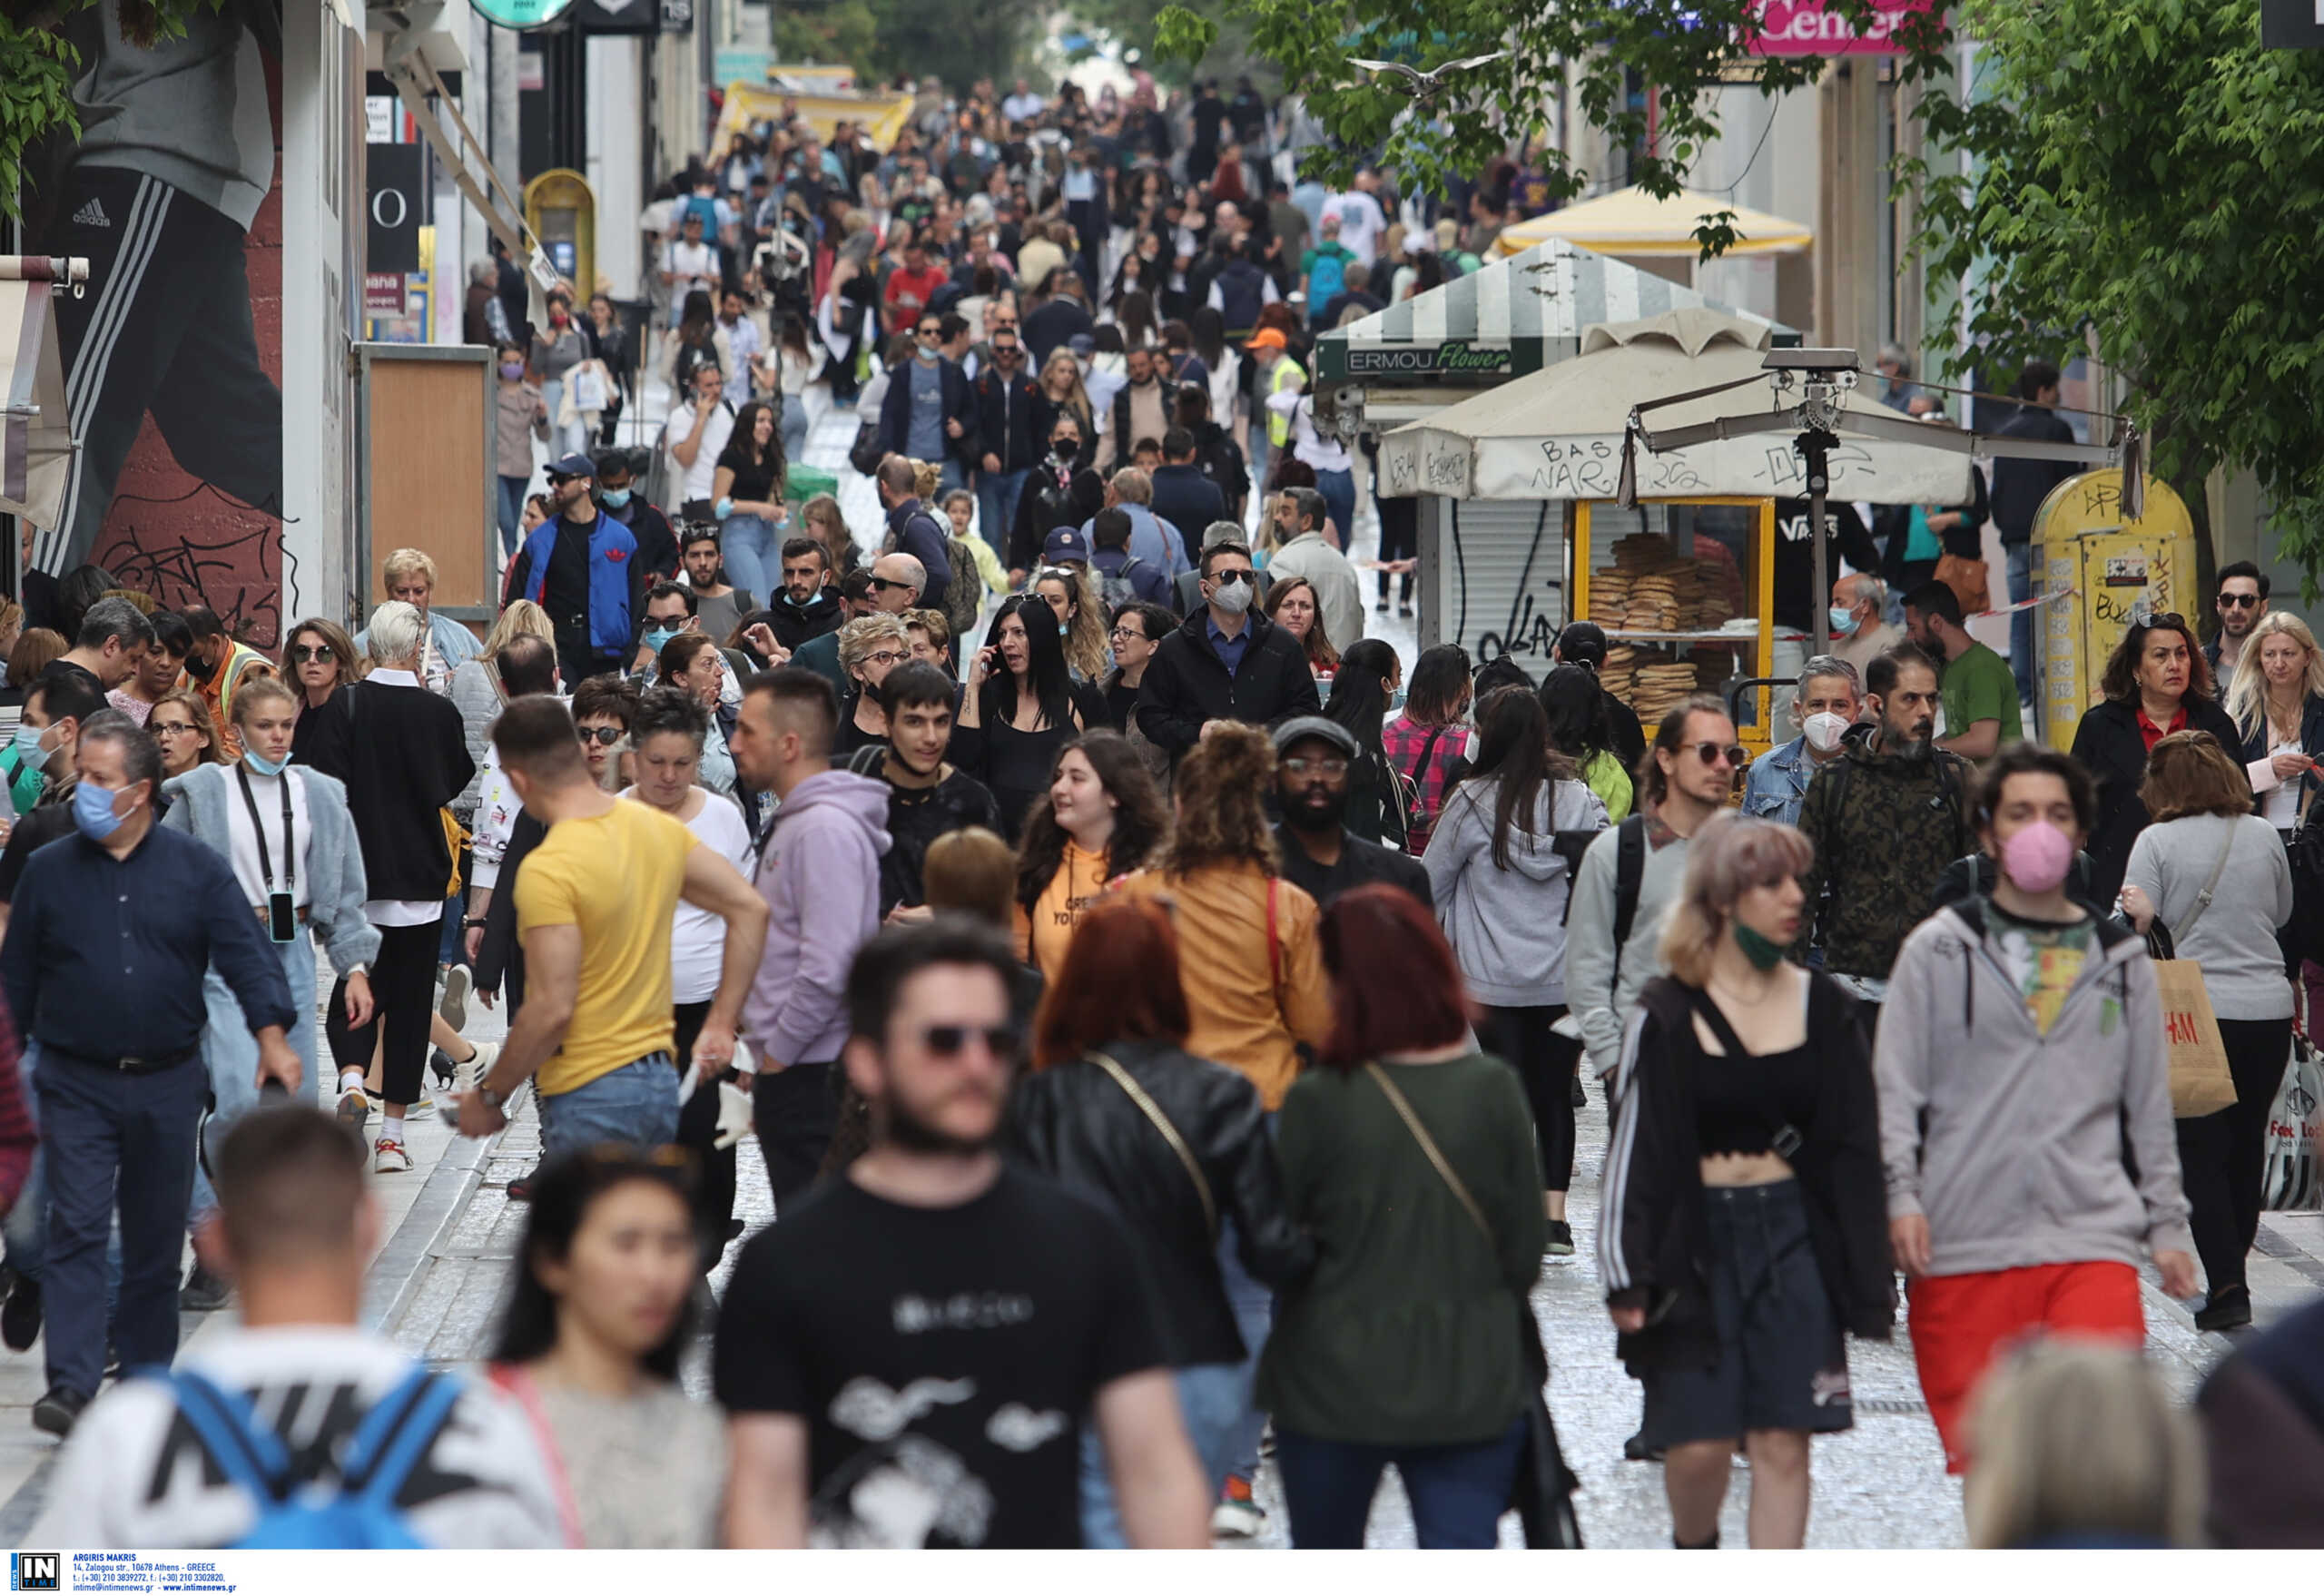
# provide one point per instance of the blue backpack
(385, 1449)
(1325, 283)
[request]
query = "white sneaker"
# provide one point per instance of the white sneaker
(389, 1158)
(465, 1077)
(1237, 1519)
(454, 1008)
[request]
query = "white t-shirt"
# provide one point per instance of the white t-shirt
(1361, 223)
(695, 266)
(694, 482)
(267, 792)
(698, 936)
(484, 1482)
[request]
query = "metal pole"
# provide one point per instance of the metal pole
(1820, 612)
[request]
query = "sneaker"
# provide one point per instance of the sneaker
(354, 1108)
(2226, 1310)
(387, 1157)
(1237, 1517)
(454, 1008)
(204, 1291)
(520, 1190)
(465, 1077)
(20, 1316)
(425, 1109)
(57, 1413)
(1561, 1239)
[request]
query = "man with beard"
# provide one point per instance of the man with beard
(927, 797)
(809, 606)
(908, 1355)
(1886, 817)
(1320, 854)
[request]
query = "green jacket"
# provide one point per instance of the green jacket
(1885, 826)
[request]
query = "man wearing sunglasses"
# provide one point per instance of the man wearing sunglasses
(1886, 817)
(582, 567)
(909, 1359)
(894, 585)
(1226, 663)
(2242, 600)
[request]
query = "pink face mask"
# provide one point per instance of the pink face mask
(2037, 857)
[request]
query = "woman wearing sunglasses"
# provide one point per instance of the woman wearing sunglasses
(320, 659)
(599, 1317)
(2157, 682)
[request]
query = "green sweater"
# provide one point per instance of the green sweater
(1406, 1332)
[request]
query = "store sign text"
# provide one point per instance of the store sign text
(1805, 27)
(1458, 356)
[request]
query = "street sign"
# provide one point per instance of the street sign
(395, 204)
(522, 14)
(618, 16)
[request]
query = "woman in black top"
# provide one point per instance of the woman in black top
(1745, 1221)
(1379, 797)
(747, 495)
(1116, 1012)
(1020, 707)
(2157, 682)
(870, 646)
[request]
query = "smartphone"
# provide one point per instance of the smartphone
(282, 920)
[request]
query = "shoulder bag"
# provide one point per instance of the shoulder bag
(2201, 1082)
(1542, 1489)
(1161, 1122)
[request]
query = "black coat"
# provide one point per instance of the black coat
(1661, 1248)
(793, 624)
(1006, 408)
(1188, 500)
(2107, 744)
(1076, 1123)
(402, 754)
(500, 957)
(1186, 683)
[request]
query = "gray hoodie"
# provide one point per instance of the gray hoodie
(1507, 926)
(1603, 1013)
(819, 871)
(2013, 1143)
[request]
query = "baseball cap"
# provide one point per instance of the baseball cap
(1314, 726)
(1268, 337)
(572, 466)
(1066, 543)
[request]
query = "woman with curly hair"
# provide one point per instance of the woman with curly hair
(1102, 817)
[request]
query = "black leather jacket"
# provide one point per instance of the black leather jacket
(1074, 1123)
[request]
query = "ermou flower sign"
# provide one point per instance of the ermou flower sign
(1807, 27)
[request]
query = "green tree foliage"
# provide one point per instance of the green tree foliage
(959, 43)
(2150, 181)
(37, 66)
(840, 33)
(1620, 51)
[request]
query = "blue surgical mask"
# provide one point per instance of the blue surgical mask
(614, 499)
(30, 753)
(1065, 628)
(262, 766)
(92, 812)
(656, 637)
(1843, 620)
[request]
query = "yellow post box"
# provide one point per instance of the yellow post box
(561, 208)
(2107, 569)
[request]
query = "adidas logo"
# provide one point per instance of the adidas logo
(91, 214)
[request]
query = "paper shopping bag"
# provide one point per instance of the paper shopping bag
(2200, 1083)
(2290, 1178)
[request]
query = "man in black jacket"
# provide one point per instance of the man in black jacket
(809, 605)
(947, 439)
(1225, 663)
(1320, 854)
(1006, 402)
(914, 529)
(1063, 316)
(1183, 495)
(2019, 489)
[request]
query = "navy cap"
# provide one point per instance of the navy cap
(572, 466)
(1066, 543)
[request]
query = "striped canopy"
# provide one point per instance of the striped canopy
(35, 428)
(1510, 316)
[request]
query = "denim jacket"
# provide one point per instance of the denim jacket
(1779, 781)
(333, 867)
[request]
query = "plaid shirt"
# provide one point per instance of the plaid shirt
(1409, 749)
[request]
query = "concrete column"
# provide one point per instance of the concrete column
(1851, 209)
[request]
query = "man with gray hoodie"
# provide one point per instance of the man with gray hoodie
(2025, 1104)
(819, 871)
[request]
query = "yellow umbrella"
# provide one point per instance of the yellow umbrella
(1635, 222)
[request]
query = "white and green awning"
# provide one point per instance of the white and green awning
(1509, 318)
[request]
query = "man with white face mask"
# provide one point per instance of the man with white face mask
(1829, 699)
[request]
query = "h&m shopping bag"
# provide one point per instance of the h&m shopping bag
(2290, 1178)
(2200, 1083)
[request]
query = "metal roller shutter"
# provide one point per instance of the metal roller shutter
(1493, 576)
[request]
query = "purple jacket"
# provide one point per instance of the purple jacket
(818, 872)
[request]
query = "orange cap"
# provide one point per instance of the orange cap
(1268, 337)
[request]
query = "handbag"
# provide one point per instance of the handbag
(1966, 578)
(1161, 1122)
(2289, 1176)
(1542, 1489)
(865, 453)
(2201, 1082)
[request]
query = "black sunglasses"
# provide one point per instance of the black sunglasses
(306, 652)
(882, 583)
(1735, 753)
(949, 1041)
(2239, 600)
(1224, 577)
(604, 736)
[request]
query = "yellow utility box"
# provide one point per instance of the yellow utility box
(2107, 569)
(561, 208)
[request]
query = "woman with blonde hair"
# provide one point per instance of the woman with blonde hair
(2275, 699)
(1745, 1224)
(1081, 619)
(479, 696)
(1060, 392)
(2214, 876)
(870, 646)
(827, 523)
(2079, 1446)
(1292, 603)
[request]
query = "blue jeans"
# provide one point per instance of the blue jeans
(634, 1106)
(1213, 1399)
(1338, 489)
(126, 1139)
(997, 496)
(753, 554)
(231, 1052)
(1254, 1307)
(2021, 625)
(1458, 1492)
(1260, 449)
(512, 513)
(794, 431)
(955, 475)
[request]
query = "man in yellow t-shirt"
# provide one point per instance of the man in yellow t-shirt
(594, 908)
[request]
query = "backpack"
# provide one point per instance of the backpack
(964, 595)
(387, 1447)
(1326, 282)
(1117, 588)
(1240, 291)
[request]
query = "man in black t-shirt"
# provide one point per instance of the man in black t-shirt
(908, 1354)
(1320, 855)
(927, 798)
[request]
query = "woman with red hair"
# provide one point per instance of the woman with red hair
(1405, 1346)
(1176, 1145)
